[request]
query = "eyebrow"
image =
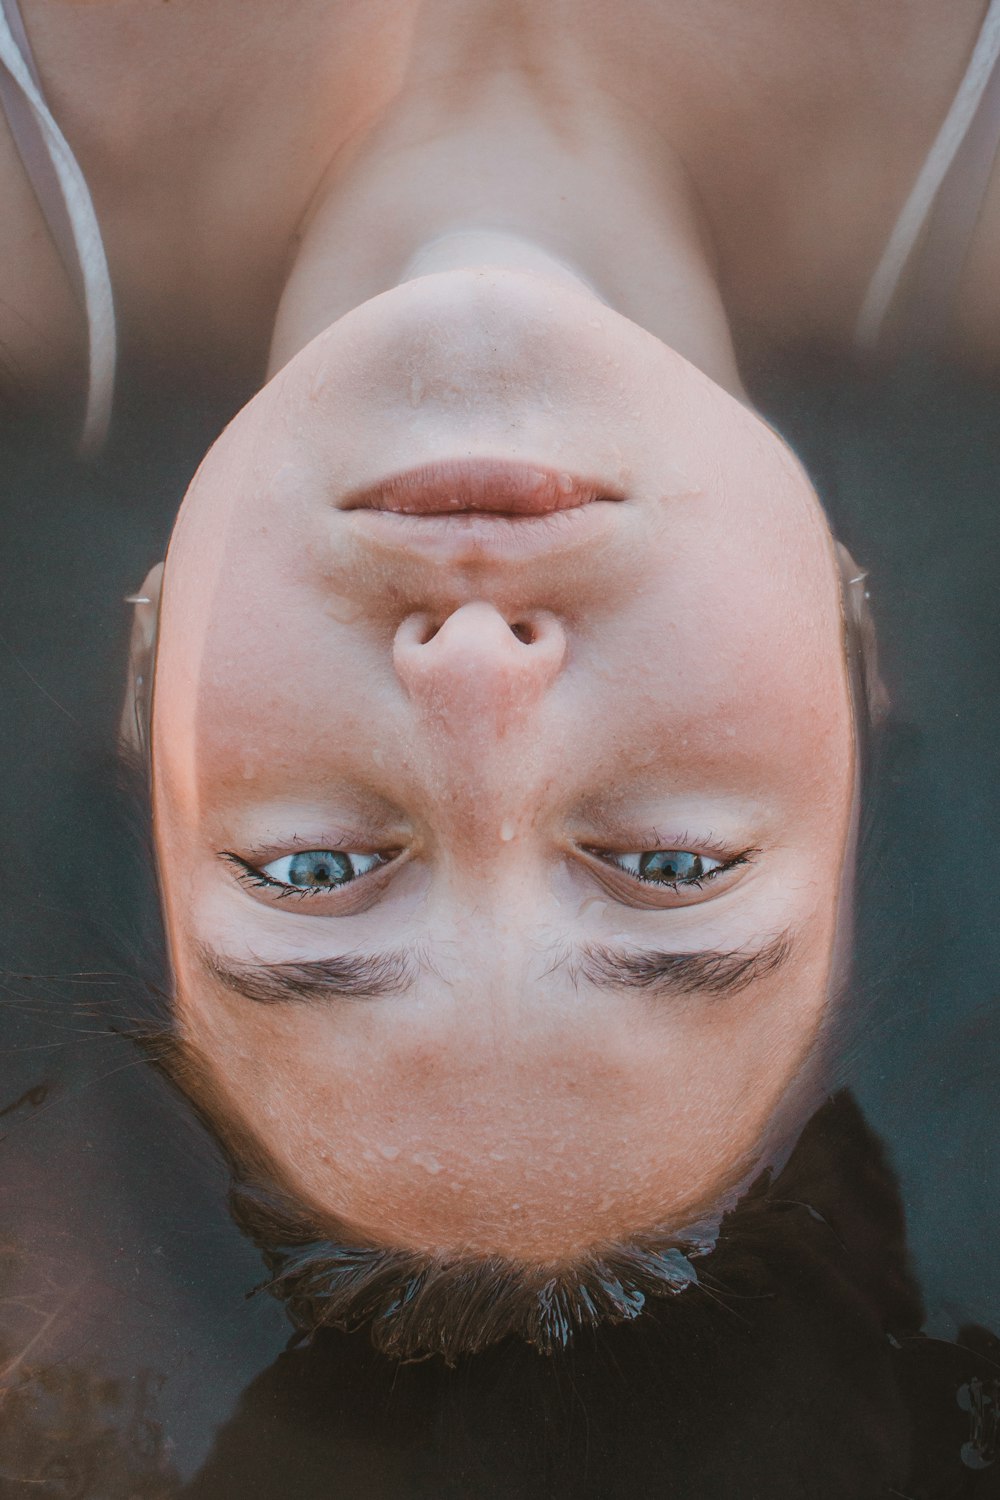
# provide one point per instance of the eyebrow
(376, 976)
(712, 972)
(347, 976)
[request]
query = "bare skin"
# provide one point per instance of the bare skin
(221, 145)
(500, 720)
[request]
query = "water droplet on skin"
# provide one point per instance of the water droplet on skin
(506, 831)
(589, 901)
(389, 1152)
(369, 1155)
(457, 1187)
(416, 390)
(497, 1156)
(514, 1207)
(429, 1163)
(565, 482)
(344, 611)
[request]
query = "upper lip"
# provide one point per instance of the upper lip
(485, 486)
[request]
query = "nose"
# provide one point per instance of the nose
(478, 667)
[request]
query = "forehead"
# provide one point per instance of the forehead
(423, 1123)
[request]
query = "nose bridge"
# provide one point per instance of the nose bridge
(478, 671)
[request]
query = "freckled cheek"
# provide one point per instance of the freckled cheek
(273, 703)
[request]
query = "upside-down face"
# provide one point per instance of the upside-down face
(503, 771)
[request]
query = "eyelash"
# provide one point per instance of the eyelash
(249, 875)
(689, 882)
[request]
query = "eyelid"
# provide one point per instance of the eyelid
(632, 890)
(350, 899)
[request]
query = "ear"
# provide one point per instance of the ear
(861, 632)
(141, 656)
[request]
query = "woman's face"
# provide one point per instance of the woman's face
(501, 853)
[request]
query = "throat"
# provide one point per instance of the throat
(504, 185)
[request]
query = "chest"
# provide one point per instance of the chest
(204, 130)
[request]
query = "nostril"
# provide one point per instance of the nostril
(524, 631)
(428, 631)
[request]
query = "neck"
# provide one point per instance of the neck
(575, 190)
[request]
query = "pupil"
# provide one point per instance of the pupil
(667, 865)
(320, 867)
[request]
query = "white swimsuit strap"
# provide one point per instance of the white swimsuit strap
(94, 278)
(908, 226)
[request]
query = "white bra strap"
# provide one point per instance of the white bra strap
(908, 226)
(94, 276)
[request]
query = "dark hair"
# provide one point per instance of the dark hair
(416, 1304)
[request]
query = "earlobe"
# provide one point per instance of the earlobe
(134, 723)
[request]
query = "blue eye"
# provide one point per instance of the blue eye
(668, 866)
(314, 873)
(319, 869)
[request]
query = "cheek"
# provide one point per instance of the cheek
(273, 699)
(719, 1088)
(698, 690)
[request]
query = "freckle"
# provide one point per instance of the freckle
(389, 1152)
(429, 1163)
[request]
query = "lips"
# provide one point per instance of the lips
(479, 487)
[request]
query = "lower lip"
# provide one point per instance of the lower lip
(486, 536)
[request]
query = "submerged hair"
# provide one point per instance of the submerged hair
(415, 1305)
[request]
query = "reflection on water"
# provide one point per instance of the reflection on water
(67, 1431)
(832, 1348)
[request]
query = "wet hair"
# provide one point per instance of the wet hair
(415, 1305)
